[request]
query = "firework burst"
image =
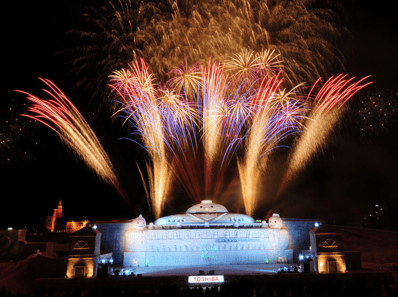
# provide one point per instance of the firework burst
(300, 35)
(244, 65)
(231, 116)
(202, 118)
(186, 79)
(269, 62)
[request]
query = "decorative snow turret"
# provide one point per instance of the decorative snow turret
(278, 236)
(275, 222)
(139, 223)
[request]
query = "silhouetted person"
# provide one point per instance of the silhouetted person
(76, 292)
(3, 292)
(39, 292)
(377, 288)
(51, 292)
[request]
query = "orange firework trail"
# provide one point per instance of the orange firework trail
(60, 115)
(214, 90)
(275, 118)
(321, 120)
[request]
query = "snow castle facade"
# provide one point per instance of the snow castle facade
(207, 234)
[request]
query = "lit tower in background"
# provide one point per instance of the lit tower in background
(56, 214)
(49, 221)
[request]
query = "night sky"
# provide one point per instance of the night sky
(357, 168)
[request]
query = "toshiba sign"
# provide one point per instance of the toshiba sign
(206, 279)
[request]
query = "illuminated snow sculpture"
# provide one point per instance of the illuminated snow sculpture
(207, 234)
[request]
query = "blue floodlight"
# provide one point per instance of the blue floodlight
(316, 224)
(301, 257)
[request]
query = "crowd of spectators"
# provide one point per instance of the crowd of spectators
(332, 288)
